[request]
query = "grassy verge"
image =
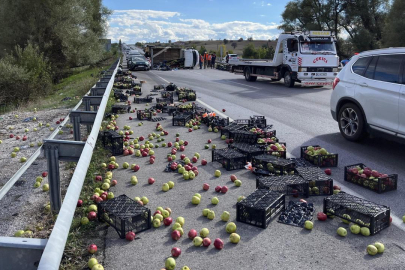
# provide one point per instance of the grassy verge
(71, 88)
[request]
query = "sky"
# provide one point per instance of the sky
(182, 20)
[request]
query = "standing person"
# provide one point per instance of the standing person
(213, 58)
(209, 60)
(227, 57)
(205, 60)
(201, 61)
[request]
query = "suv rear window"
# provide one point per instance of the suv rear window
(360, 66)
(387, 69)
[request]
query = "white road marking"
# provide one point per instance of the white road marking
(160, 77)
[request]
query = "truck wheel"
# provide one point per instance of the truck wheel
(248, 77)
(288, 81)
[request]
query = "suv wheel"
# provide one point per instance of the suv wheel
(351, 122)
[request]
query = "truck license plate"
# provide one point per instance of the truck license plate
(320, 74)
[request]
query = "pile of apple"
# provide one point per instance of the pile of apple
(112, 124)
(365, 176)
(271, 140)
(162, 216)
(276, 148)
(316, 151)
(262, 133)
(193, 124)
(39, 180)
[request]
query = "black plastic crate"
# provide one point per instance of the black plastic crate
(277, 153)
(189, 96)
(330, 160)
(292, 185)
(260, 207)
(357, 210)
(181, 119)
(232, 126)
(124, 215)
(120, 96)
(273, 165)
(320, 184)
(248, 149)
(296, 213)
(219, 122)
(138, 100)
(168, 100)
(301, 162)
(379, 184)
(243, 136)
(120, 108)
(231, 159)
(258, 121)
(112, 141)
(166, 94)
(158, 87)
(144, 115)
(171, 87)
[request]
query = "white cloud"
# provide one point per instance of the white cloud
(152, 25)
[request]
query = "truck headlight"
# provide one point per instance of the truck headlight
(302, 69)
(335, 70)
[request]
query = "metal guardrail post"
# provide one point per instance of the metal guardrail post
(81, 117)
(52, 155)
(76, 127)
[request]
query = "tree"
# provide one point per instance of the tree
(234, 45)
(202, 49)
(119, 44)
(249, 51)
(394, 32)
(223, 50)
(240, 39)
(250, 39)
(225, 41)
(170, 42)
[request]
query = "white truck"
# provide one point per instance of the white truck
(308, 58)
(191, 57)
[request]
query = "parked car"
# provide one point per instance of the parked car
(369, 94)
(138, 63)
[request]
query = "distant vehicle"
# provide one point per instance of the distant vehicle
(307, 58)
(345, 61)
(138, 63)
(233, 58)
(369, 94)
(191, 58)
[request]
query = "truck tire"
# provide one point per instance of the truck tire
(288, 81)
(248, 77)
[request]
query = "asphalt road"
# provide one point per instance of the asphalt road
(301, 116)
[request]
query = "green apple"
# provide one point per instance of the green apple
(204, 233)
(341, 231)
(346, 219)
(45, 187)
(197, 241)
(198, 195)
(197, 155)
(195, 200)
(160, 208)
(211, 215)
(230, 227)
(171, 184)
(355, 229)
(92, 262)
(125, 165)
(180, 220)
(238, 183)
(365, 231)
(144, 200)
(309, 225)
(157, 223)
(37, 184)
(165, 213)
(158, 216)
(170, 263)
(403, 218)
(217, 173)
(372, 250)
(207, 146)
(380, 247)
(225, 216)
(39, 179)
(13, 155)
(23, 159)
(214, 146)
(234, 238)
(92, 207)
(215, 200)
(134, 180)
(105, 186)
(186, 176)
(205, 212)
(132, 166)
(84, 221)
(97, 267)
(110, 195)
(191, 175)
(137, 199)
(181, 170)
(240, 198)
(19, 233)
(165, 187)
(185, 268)
(176, 226)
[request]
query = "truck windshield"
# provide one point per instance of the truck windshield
(318, 47)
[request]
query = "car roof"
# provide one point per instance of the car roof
(383, 51)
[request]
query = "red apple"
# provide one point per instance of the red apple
(206, 242)
(44, 174)
(99, 178)
(92, 248)
(183, 156)
(203, 162)
(328, 171)
(169, 158)
(92, 215)
(167, 221)
(321, 216)
(192, 234)
(140, 202)
(206, 186)
(194, 159)
(98, 199)
(141, 138)
(182, 148)
(218, 188)
(233, 178)
(24, 138)
(224, 189)
(194, 168)
(151, 160)
(11, 135)
(187, 168)
(114, 182)
(355, 170)
(195, 172)
(223, 110)
(173, 166)
(131, 152)
(209, 141)
(176, 252)
(111, 167)
(130, 118)
(151, 181)
(190, 130)
(17, 138)
(176, 235)
(174, 151)
(157, 212)
(169, 144)
(130, 236)
(335, 187)
(126, 152)
(79, 203)
(177, 139)
(166, 133)
(104, 197)
(136, 168)
(144, 154)
(126, 133)
(218, 243)
(57, 122)
(185, 143)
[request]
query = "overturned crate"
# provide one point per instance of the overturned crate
(232, 127)
(120, 108)
(243, 136)
(292, 185)
(319, 183)
(260, 207)
(272, 165)
(181, 119)
(144, 115)
(357, 210)
(323, 160)
(147, 99)
(231, 159)
(248, 149)
(258, 121)
(112, 141)
(124, 215)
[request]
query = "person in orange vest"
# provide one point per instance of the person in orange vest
(205, 60)
(209, 60)
(201, 60)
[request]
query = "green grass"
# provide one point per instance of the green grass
(74, 87)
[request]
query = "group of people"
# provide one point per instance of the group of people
(207, 60)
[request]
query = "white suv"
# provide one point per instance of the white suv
(369, 93)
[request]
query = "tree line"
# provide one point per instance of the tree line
(41, 40)
(368, 24)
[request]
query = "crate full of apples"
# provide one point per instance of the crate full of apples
(319, 156)
(277, 149)
(364, 176)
